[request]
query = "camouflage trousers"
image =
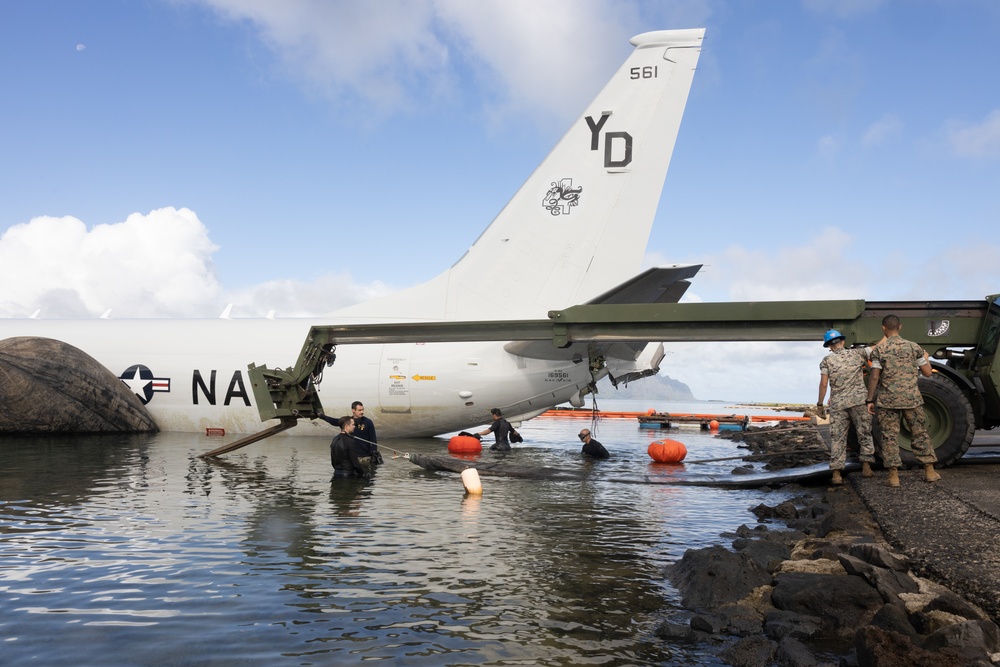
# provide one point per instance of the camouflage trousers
(840, 423)
(916, 421)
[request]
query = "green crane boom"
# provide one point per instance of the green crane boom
(961, 336)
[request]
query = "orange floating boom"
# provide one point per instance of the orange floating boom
(587, 414)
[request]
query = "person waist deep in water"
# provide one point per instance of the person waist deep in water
(343, 451)
(364, 435)
(592, 447)
(501, 429)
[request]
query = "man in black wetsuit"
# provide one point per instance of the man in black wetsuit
(501, 429)
(343, 451)
(592, 447)
(364, 434)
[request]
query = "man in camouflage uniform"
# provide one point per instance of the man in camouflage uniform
(895, 364)
(843, 371)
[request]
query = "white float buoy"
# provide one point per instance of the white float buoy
(470, 479)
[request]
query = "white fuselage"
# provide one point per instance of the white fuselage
(197, 374)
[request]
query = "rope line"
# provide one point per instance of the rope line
(405, 455)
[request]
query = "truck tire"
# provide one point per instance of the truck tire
(950, 423)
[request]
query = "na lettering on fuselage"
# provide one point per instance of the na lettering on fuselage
(140, 380)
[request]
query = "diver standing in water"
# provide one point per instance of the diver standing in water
(592, 447)
(501, 430)
(364, 434)
(343, 453)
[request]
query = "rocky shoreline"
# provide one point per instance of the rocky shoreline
(814, 583)
(785, 445)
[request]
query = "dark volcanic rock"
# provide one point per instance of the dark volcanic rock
(47, 386)
(793, 653)
(750, 652)
(953, 603)
(779, 624)
(889, 583)
(878, 556)
(971, 638)
(710, 623)
(676, 632)
(892, 617)
(714, 576)
(767, 553)
(883, 648)
(785, 445)
(842, 602)
(741, 620)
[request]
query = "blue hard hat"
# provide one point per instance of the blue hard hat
(831, 336)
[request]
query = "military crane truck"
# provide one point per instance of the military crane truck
(960, 397)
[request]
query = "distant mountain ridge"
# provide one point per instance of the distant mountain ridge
(658, 387)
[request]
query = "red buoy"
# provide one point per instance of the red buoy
(667, 451)
(714, 424)
(464, 444)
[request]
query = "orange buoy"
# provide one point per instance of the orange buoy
(651, 411)
(667, 451)
(464, 444)
(714, 425)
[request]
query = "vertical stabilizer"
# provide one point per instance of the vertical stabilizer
(580, 224)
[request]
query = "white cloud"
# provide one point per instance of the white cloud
(758, 371)
(373, 51)
(952, 272)
(881, 130)
(525, 55)
(294, 298)
(155, 265)
(976, 140)
(833, 264)
(539, 56)
(827, 265)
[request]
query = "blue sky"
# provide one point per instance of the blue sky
(299, 156)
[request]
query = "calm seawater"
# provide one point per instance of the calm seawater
(132, 551)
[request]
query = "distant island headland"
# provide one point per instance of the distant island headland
(658, 387)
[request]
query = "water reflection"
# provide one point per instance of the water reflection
(346, 495)
(132, 551)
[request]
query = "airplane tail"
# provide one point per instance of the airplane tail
(580, 224)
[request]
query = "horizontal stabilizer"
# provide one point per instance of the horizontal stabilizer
(657, 285)
(664, 284)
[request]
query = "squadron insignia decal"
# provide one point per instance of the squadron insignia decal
(935, 329)
(562, 197)
(141, 381)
